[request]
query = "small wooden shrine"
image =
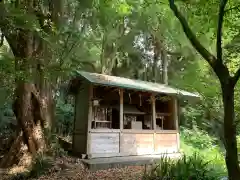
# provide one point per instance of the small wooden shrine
(116, 116)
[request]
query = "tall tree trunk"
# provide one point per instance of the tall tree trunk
(155, 64)
(28, 111)
(164, 67)
(228, 83)
(230, 141)
(159, 51)
(156, 50)
(33, 105)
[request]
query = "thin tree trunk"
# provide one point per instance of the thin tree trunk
(164, 67)
(157, 50)
(154, 66)
(230, 141)
(227, 85)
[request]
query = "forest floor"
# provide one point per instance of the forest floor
(69, 168)
(66, 167)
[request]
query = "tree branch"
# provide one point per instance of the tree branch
(2, 39)
(219, 29)
(211, 59)
(233, 8)
(172, 53)
(236, 77)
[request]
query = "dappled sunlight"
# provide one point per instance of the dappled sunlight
(26, 160)
(17, 170)
(144, 150)
(24, 164)
(39, 136)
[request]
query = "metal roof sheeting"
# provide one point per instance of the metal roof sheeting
(106, 80)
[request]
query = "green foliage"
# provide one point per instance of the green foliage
(199, 139)
(211, 152)
(64, 118)
(41, 165)
(192, 167)
(6, 118)
(114, 37)
(202, 160)
(55, 149)
(238, 144)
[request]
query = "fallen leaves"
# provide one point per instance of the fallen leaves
(71, 169)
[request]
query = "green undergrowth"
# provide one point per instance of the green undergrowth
(202, 159)
(196, 141)
(186, 167)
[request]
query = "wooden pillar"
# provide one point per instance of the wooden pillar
(121, 110)
(153, 112)
(176, 116)
(175, 112)
(154, 125)
(121, 119)
(90, 116)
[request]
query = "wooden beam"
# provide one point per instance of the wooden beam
(137, 131)
(166, 131)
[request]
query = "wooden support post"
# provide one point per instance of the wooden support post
(121, 119)
(175, 113)
(121, 110)
(153, 112)
(90, 118)
(154, 125)
(175, 116)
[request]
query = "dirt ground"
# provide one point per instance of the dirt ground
(72, 169)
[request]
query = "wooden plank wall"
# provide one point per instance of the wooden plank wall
(137, 144)
(104, 143)
(166, 143)
(81, 120)
(109, 144)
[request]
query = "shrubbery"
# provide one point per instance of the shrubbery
(202, 160)
(6, 118)
(197, 138)
(192, 167)
(64, 118)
